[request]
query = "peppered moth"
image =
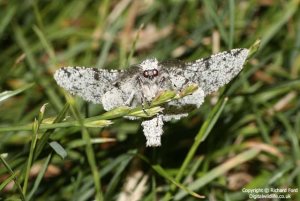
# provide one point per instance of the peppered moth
(141, 83)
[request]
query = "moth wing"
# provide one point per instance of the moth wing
(89, 83)
(217, 70)
(209, 74)
(173, 72)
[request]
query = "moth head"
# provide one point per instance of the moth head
(150, 68)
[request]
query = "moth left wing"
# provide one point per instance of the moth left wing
(215, 71)
(89, 83)
(209, 73)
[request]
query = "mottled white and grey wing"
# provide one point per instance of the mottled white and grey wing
(209, 74)
(217, 70)
(89, 83)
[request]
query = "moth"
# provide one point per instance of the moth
(141, 83)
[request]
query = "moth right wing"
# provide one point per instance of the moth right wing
(89, 83)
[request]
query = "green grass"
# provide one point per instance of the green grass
(245, 136)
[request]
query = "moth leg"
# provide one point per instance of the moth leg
(143, 106)
(129, 100)
(168, 80)
(182, 86)
(143, 99)
(161, 81)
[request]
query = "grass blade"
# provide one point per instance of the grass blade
(202, 134)
(12, 173)
(88, 149)
(164, 174)
(7, 181)
(58, 149)
(33, 67)
(117, 178)
(220, 170)
(30, 160)
(39, 178)
(8, 94)
(278, 22)
(232, 23)
(7, 19)
(159, 170)
(209, 5)
(44, 139)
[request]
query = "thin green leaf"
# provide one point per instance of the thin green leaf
(8, 16)
(132, 49)
(8, 94)
(164, 174)
(44, 139)
(96, 123)
(254, 48)
(12, 173)
(201, 136)
(30, 159)
(147, 113)
(232, 23)
(220, 170)
(101, 120)
(91, 124)
(45, 43)
(211, 120)
(7, 181)
(278, 21)
(187, 91)
(23, 43)
(88, 149)
(117, 178)
(80, 142)
(159, 170)
(217, 20)
(58, 149)
(163, 98)
(39, 178)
